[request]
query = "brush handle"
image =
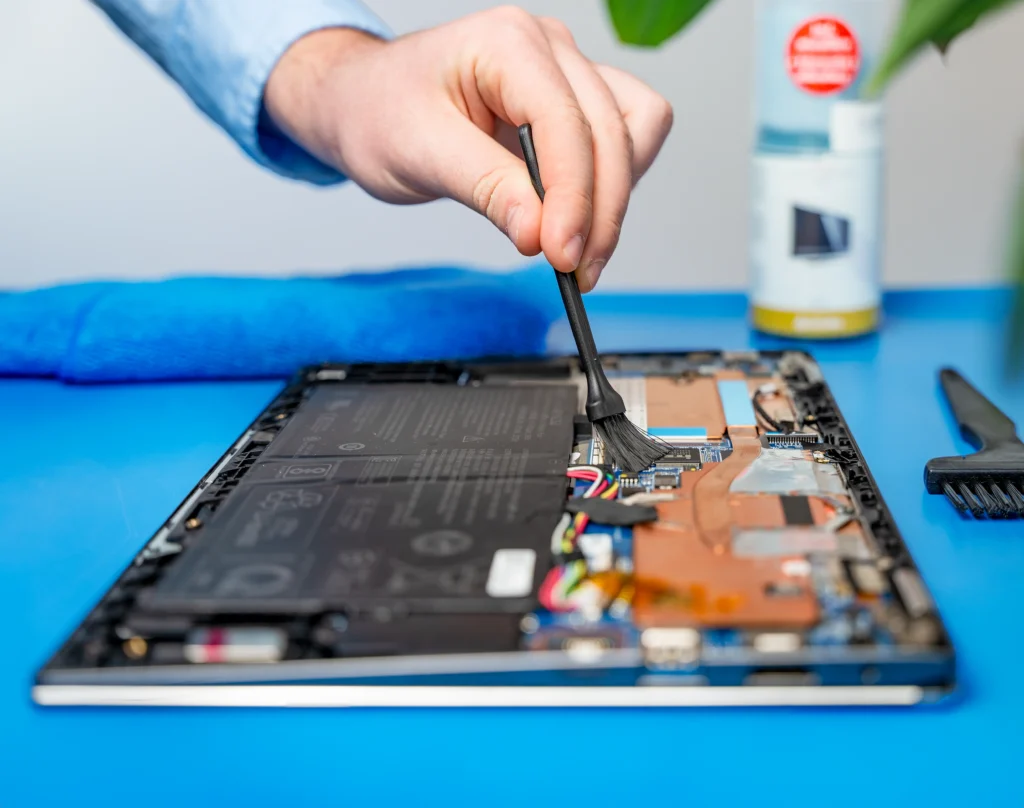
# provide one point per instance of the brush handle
(602, 400)
(568, 285)
(981, 423)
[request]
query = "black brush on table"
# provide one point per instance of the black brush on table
(990, 482)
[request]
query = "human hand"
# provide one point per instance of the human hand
(434, 114)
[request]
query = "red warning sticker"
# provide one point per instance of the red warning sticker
(823, 56)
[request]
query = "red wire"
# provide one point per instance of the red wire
(544, 594)
(581, 474)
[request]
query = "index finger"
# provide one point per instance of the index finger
(519, 79)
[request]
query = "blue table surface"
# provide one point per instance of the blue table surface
(90, 472)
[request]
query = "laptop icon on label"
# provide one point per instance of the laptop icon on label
(819, 235)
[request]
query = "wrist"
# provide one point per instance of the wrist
(299, 97)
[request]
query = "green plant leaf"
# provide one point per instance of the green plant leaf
(649, 23)
(920, 22)
(965, 18)
(928, 21)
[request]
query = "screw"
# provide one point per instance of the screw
(135, 647)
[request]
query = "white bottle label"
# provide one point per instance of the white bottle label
(816, 233)
(855, 126)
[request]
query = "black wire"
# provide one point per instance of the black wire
(813, 424)
(760, 410)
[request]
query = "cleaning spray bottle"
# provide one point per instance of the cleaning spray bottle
(817, 185)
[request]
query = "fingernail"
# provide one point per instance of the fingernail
(574, 250)
(594, 269)
(515, 216)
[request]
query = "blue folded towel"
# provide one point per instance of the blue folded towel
(218, 328)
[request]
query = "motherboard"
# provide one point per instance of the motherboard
(766, 539)
(460, 523)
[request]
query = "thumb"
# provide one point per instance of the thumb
(471, 167)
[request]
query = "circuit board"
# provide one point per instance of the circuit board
(460, 524)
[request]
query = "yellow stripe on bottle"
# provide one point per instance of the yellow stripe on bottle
(816, 325)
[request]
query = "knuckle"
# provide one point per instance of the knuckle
(557, 29)
(513, 17)
(576, 116)
(486, 194)
(580, 200)
(663, 115)
(610, 231)
(616, 131)
(617, 141)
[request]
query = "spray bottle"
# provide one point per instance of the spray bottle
(817, 185)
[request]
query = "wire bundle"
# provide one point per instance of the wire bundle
(564, 579)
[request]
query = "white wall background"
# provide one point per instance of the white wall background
(107, 171)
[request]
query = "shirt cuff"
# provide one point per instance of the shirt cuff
(256, 132)
(235, 78)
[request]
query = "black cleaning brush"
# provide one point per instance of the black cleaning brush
(625, 444)
(990, 481)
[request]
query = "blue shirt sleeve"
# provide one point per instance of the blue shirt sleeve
(221, 52)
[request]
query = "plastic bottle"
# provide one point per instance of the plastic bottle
(816, 235)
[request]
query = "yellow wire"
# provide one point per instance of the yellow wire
(572, 532)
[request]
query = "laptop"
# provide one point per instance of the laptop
(452, 534)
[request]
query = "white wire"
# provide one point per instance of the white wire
(593, 486)
(564, 522)
(560, 528)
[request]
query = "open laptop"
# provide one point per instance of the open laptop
(451, 534)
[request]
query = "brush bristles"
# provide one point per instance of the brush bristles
(1002, 500)
(628, 446)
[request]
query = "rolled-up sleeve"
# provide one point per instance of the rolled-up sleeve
(221, 52)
